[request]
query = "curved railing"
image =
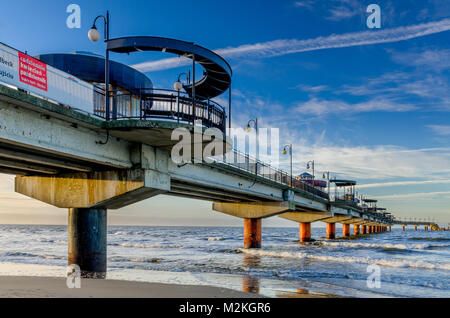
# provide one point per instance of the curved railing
(160, 104)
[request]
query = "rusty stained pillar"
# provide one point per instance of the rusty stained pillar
(390, 229)
(252, 233)
(403, 227)
(331, 231)
(363, 229)
(355, 229)
(305, 232)
(345, 230)
(415, 227)
(87, 241)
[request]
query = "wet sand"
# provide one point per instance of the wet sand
(55, 287)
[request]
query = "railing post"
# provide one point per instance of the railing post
(178, 107)
(193, 89)
(209, 114)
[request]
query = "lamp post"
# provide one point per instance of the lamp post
(309, 165)
(94, 36)
(248, 129)
(284, 152)
(178, 86)
(327, 176)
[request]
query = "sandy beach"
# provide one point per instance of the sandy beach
(55, 287)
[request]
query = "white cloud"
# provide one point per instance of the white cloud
(442, 130)
(312, 89)
(408, 196)
(381, 162)
(402, 183)
(284, 47)
(437, 60)
(320, 107)
(345, 10)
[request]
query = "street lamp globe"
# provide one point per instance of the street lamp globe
(93, 34)
(178, 86)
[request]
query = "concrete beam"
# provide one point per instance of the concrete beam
(104, 189)
(27, 129)
(31, 168)
(305, 217)
(337, 218)
(27, 157)
(253, 210)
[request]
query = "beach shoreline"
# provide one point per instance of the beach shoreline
(56, 287)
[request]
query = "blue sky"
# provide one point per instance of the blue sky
(368, 104)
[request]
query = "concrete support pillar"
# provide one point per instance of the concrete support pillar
(356, 229)
(331, 230)
(345, 230)
(403, 228)
(415, 227)
(87, 241)
(363, 229)
(252, 233)
(305, 232)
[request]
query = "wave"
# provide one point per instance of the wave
(215, 238)
(134, 259)
(381, 246)
(143, 245)
(360, 260)
(437, 239)
(22, 254)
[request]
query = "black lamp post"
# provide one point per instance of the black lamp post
(309, 165)
(248, 129)
(94, 36)
(284, 152)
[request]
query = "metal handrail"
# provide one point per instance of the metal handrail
(245, 162)
(152, 103)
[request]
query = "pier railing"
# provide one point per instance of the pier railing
(261, 169)
(152, 103)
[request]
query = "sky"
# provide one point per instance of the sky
(366, 104)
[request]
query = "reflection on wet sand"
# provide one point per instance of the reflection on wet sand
(250, 284)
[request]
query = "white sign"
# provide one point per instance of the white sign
(25, 72)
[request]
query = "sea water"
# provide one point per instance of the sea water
(407, 264)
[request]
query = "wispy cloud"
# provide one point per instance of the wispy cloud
(312, 89)
(402, 183)
(437, 59)
(284, 47)
(441, 130)
(425, 195)
(345, 10)
(381, 162)
(321, 107)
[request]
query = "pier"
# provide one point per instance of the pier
(87, 149)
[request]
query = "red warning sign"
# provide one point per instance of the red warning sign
(32, 72)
